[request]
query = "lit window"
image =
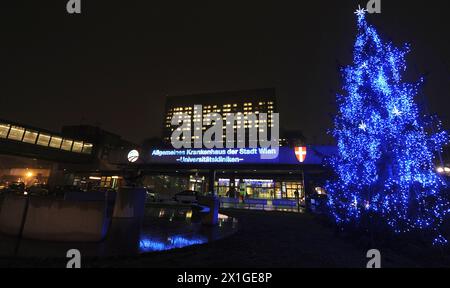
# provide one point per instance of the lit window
(43, 140)
(66, 145)
(16, 133)
(4, 128)
(55, 142)
(30, 136)
(77, 146)
(87, 148)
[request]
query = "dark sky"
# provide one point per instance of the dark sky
(113, 65)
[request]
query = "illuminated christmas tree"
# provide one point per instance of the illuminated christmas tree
(386, 145)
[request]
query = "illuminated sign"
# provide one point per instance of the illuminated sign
(286, 155)
(300, 153)
(133, 156)
(229, 155)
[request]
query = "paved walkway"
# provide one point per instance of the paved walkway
(265, 239)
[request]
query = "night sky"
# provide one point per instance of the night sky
(114, 64)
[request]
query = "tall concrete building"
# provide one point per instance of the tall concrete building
(225, 103)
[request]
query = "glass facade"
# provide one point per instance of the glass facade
(259, 188)
(43, 139)
(30, 137)
(77, 146)
(197, 183)
(287, 189)
(25, 135)
(4, 129)
(223, 186)
(111, 182)
(166, 186)
(66, 145)
(29, 176)
(87, 148)
(16, 133)
(55, 142)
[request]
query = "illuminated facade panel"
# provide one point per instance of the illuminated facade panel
(30, 136)
(43, 139)
(4, 129)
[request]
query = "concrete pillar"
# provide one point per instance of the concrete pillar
(204, 188)
(130, 203)
(232, 180)
(212, 217)
(56, 176)
(308, 190)
(211, 180)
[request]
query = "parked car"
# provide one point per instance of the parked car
(3, 187)
(102, 189)
(59, 191)
(38, 190)
(186, 196)
(17, 188)
(165, 197)
(150, 195)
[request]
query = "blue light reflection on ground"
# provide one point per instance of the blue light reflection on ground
(148, 244)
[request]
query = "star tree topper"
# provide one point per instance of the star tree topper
(360, 12)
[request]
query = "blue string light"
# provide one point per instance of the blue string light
(386, 147)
